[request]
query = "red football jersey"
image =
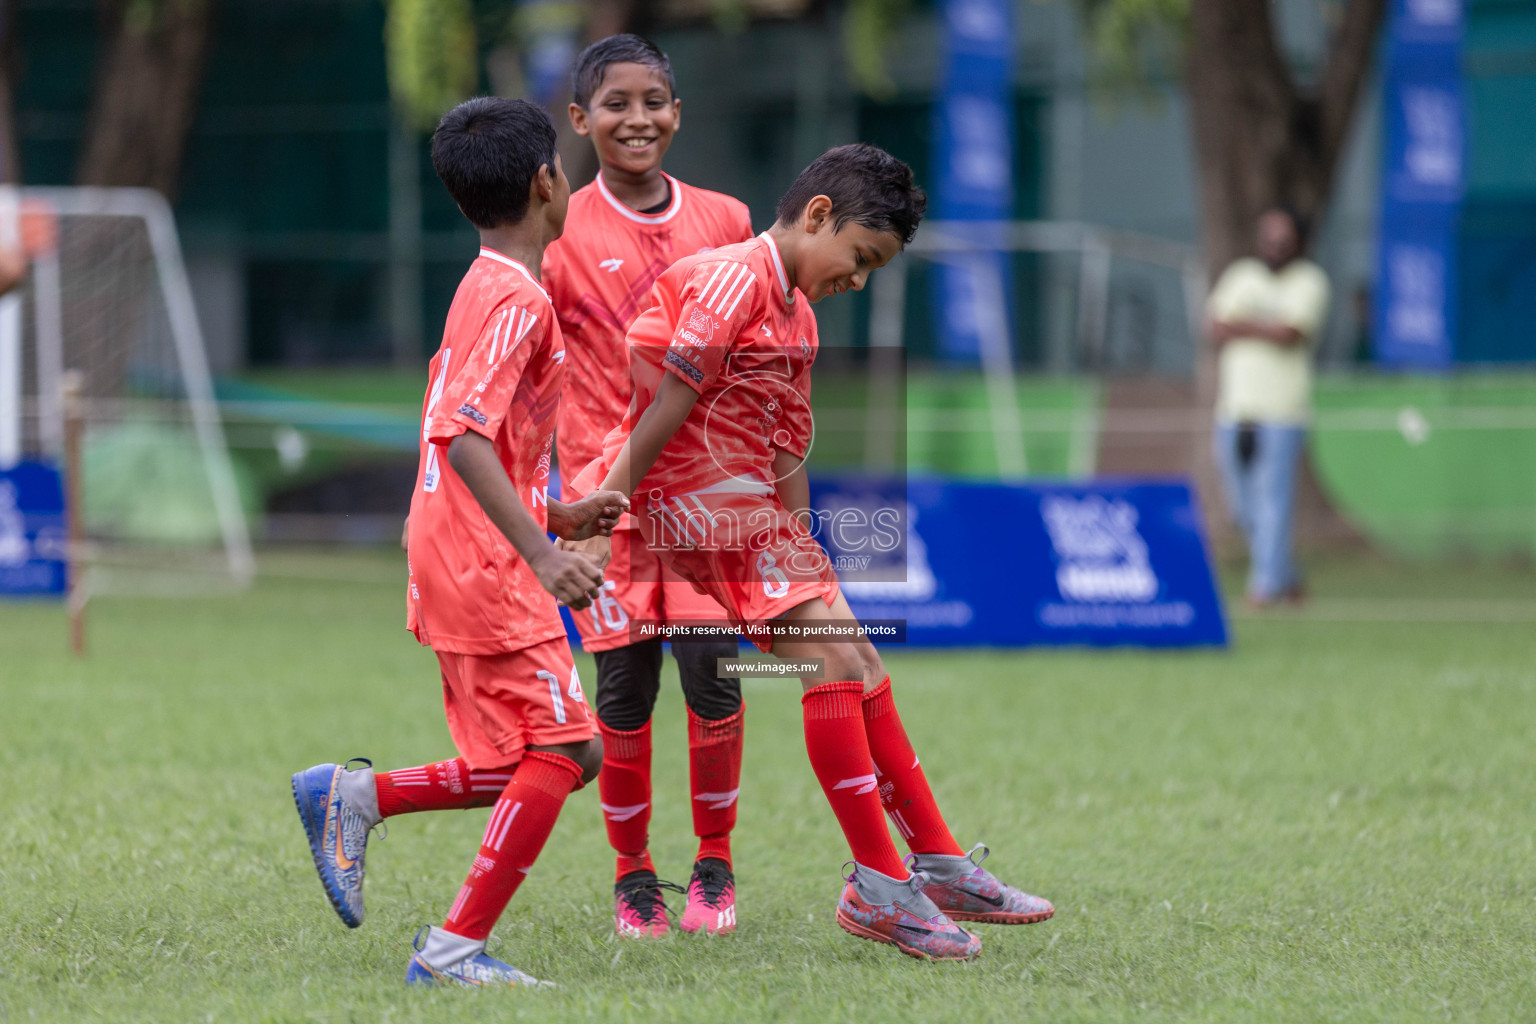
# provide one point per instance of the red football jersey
(598, 274)
(497, 373)
(728, 325)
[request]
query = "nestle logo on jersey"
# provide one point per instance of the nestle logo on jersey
(703, 325)
(690, 371)
(475, 414)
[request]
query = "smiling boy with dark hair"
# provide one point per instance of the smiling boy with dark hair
(625, 228)
(715, 438)
(483, 576)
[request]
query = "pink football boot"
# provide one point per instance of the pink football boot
(711, 899)
(639, 912)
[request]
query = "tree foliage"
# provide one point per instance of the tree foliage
(868, 28)
(432, 56)
(1131, 37)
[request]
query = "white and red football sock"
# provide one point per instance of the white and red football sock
(839, 751)
(714, 776)
(444, 786)
(904, 788)
(624, 791)
(519, 826)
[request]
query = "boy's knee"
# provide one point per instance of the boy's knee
(591, 759)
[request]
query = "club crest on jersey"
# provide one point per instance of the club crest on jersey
(611, 264)
(700, 329)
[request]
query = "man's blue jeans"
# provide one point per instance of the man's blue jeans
(1261, 492)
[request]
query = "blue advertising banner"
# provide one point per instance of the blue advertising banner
(1102, 563)
(1423, 181)
(973, 155)
(952, 564)
(33, 536)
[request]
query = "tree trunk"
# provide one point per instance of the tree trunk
(147, 84)
(1260, 140)
(10, 51)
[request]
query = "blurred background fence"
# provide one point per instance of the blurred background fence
(321, 253)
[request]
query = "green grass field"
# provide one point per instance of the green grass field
(1330, 822)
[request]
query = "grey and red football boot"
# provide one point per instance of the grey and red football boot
(965, 892)
(896, 911)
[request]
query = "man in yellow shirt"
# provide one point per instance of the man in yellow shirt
(1265, 316)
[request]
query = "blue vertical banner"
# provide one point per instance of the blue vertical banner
(973, 155)
(33, 534)
(1423, 181)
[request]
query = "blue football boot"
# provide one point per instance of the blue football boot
(338, 807)
(464, 962)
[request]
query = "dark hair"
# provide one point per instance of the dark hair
(1298, 221)
(593, 63)
(866, 185)
(487, 151)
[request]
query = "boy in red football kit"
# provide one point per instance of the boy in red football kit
(484, 577)
(718, 431)
(625, 228)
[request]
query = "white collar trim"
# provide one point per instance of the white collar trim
(778, 267)
(636, 215)
(492, 254)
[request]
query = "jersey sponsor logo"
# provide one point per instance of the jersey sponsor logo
(703, 325)
(611, 264)
(690, 371)
(475, 414)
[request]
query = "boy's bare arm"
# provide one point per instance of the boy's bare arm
(673, 402)
(570, 576)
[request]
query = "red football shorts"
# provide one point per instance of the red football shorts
(499, 704)
(745, 550)
(639, 587)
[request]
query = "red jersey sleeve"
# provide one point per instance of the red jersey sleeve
(718, 299)
(479, 397)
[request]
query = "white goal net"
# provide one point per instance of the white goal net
(108, 298)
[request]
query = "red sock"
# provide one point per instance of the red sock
(903, 786)
(624, 790)
(444, 786)
(714, 776)
(834, 738)
(519, 825)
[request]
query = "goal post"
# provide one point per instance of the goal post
(109, 300)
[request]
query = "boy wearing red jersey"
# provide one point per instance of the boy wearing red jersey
(625, 228)
(717, 433)
(484, 577)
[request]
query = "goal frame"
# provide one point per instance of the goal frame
(186, 337)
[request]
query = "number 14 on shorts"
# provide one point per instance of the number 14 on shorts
(556, 698)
